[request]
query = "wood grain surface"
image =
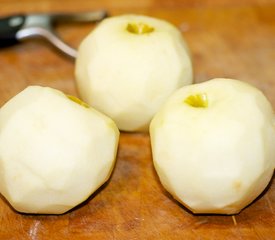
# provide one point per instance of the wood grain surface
(233, 39)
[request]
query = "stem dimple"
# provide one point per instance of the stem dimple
(199, 100)
(139, 28)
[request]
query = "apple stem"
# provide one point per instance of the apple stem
(139, 28)
(199, 100)
(78, 101)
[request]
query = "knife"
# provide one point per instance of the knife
(17, 28)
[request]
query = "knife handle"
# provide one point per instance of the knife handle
(9, 26)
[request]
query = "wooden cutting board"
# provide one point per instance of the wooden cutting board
(233, 39)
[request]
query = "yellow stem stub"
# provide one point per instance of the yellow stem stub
(78, 101)
(139, 28)
(199, 100)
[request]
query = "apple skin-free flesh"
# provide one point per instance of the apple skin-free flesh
(213, 145)
(129, 65)
(55, 150)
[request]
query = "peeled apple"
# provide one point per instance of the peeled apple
(129, 65)
(55, 150)
(213, 145)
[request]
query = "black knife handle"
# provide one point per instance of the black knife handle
(9, 26)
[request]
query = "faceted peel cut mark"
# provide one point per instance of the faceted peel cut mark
(139, 28)
(199, 100)
(78, 101)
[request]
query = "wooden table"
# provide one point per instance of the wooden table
(233, 39)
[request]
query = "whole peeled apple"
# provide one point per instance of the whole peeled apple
(55, 150)
(129, 65)
(213, 145)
